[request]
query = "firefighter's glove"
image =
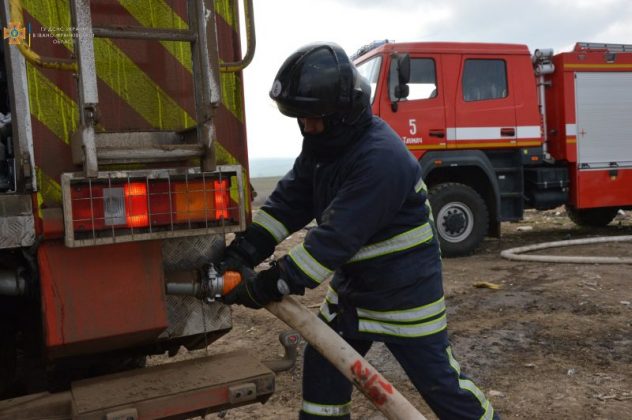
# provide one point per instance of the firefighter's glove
(242, 252)
(257, 289)
(238, 254)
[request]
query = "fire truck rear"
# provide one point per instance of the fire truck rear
(498, 130)
(123, 164)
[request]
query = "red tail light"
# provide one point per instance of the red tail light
(136, 204)
(122, 206)
(221, 199)
(151, 204)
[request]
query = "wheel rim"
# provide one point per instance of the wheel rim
(455, 222)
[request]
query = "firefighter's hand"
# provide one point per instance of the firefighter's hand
(232, 263)
(237, 255)
(256, 289)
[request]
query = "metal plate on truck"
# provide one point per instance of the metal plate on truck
(190, 386)
(603, 102)
(178, 390)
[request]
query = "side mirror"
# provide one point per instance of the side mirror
(399, 78)
(403, 68)
(402, 91)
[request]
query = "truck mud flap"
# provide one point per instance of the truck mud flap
(176, 390)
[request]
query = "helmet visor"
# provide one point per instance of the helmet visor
(302, 107)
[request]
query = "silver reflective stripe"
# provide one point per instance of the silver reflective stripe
(421, 186)
(399, 330)
(324, 311)
(272, 225)
(331, 296)
(308, 264)
(429, 210)
(326, 410)
(488, 410)
(406, 315)
(409, 239)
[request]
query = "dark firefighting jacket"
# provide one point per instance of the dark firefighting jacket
(366, 193)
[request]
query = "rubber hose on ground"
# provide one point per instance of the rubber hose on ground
(514, 253)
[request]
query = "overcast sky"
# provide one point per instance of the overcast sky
(282, 26)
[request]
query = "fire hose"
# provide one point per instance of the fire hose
(334, 348)
(514, 253)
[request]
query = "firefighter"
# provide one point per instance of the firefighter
(357, 179)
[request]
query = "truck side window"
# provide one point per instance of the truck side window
(370, 70)
(484, 79)
(423, 79)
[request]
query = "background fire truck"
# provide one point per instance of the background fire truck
(123, 166)
(497, 130)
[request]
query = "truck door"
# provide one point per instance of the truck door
(419, 119)
(485, 106)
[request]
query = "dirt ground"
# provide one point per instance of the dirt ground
(553, 342)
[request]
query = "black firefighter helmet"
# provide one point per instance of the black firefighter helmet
(319, 81)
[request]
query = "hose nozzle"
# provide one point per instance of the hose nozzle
(210, 285)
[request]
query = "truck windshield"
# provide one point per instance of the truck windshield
(370, 70)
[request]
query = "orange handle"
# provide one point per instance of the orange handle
(231, 280)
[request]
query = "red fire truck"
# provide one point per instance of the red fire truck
(123, 164)
(497, 129)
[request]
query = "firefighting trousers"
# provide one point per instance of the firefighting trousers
(430, 366)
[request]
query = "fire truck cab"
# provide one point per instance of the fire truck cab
(495, 129)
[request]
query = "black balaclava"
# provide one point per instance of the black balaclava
(341, 131)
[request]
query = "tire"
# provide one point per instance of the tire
(461, 218)
(597, 217)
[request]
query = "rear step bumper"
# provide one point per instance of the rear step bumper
(180, 389)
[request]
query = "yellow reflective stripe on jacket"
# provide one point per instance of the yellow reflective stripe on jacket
(272, 225)
(488, 410)
(325, 312)
(401, 242)
(429, 209)
(403, 330)
(309, 265)
(326, 410)
(330, 298)
(407, 315)
(421, 186)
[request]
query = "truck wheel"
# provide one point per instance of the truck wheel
(597, 217)
(461, 218)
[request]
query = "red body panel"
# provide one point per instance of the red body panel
(120, 304)
(556, 116)
(603, 188)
